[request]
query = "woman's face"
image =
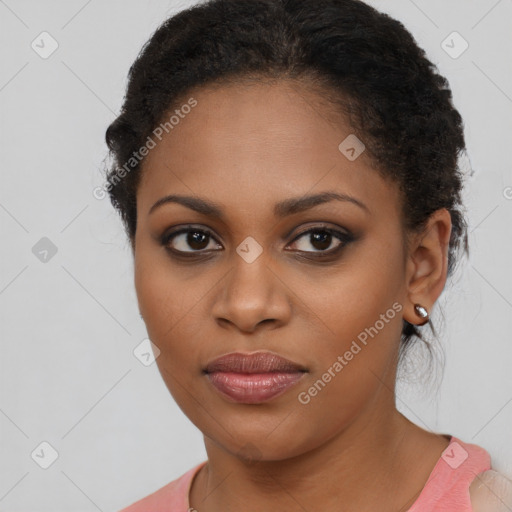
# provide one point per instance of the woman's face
(329, 302)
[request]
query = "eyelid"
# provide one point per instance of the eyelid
(319, 227)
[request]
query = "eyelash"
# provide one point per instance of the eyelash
(344, 238)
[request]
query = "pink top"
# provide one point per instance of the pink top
(446, 490)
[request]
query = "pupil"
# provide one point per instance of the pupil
(323, 238)
(195, 238)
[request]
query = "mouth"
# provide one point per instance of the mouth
(253, 378)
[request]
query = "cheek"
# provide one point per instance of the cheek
(172, 304)
(170, 307)
(162, 298)
(363, 314)
(352, 370)
(354, 298)
(159, 291)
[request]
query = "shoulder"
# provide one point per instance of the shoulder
(157, 499)
(170, 497)
(491, 491)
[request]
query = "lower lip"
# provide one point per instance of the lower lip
(253, 388)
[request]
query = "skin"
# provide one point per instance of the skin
(247, 147)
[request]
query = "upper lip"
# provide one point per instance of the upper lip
(256, 362)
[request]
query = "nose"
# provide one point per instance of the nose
(252, 294)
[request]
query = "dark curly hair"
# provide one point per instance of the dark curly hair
(363, 61)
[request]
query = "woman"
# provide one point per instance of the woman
(287, 175)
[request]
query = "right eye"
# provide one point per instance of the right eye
(189, 237)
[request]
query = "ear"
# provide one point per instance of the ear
(427, 265)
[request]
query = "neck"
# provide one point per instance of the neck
(366, 466)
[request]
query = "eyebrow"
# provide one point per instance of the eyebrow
(282, 209)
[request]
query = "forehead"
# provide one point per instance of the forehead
(245, 143)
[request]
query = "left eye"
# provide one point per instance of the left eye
(321, 239)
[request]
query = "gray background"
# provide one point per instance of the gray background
(69, 321)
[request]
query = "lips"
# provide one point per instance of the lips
(257, 362)
(253, 378)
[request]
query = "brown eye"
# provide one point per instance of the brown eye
(322, 240)
(198, 240)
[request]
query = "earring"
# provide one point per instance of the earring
(422, 313)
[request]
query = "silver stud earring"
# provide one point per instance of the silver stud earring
(422, 313)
